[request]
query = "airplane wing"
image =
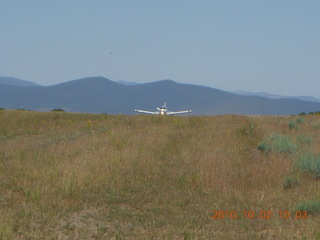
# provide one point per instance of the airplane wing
(148, 112)
(180, 112)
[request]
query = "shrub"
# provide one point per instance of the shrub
(290, 182)
(309, 162)
(300, 119)
(277, 143)
(304, 139)
(292, 124)
(311, 207)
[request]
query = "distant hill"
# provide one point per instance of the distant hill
(17, 82)
(127, 83)
(101, 95)
(275, 96)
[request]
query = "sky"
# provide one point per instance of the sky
(251, 45)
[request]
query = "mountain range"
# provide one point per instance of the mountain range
(17, 82)
(101, 95)
(275, 96)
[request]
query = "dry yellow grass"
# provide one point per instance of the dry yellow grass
(82, 176)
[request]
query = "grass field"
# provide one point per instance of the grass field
(83, 176)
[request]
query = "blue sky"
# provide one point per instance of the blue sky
(225, 44)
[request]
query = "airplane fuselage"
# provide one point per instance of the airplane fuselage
(162, 110)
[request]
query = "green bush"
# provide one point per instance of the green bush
(292, 124)
(300, 119)
(304, 139)
(310, 163)
(277, 143)
(311, 207)
(290, 182)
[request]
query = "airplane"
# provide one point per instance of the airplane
(162, 111)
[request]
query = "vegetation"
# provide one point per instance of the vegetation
(310, 113)
(310, 163)
(304, 139)
(277, 143)
(85, 176)
(314, 113)
(290, 182)
(292, 122)
(312, 207)
(57, 110)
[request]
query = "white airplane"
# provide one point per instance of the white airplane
(163, 111)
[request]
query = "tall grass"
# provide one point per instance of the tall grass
(85, 176)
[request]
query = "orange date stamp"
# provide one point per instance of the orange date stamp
(259, 215)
